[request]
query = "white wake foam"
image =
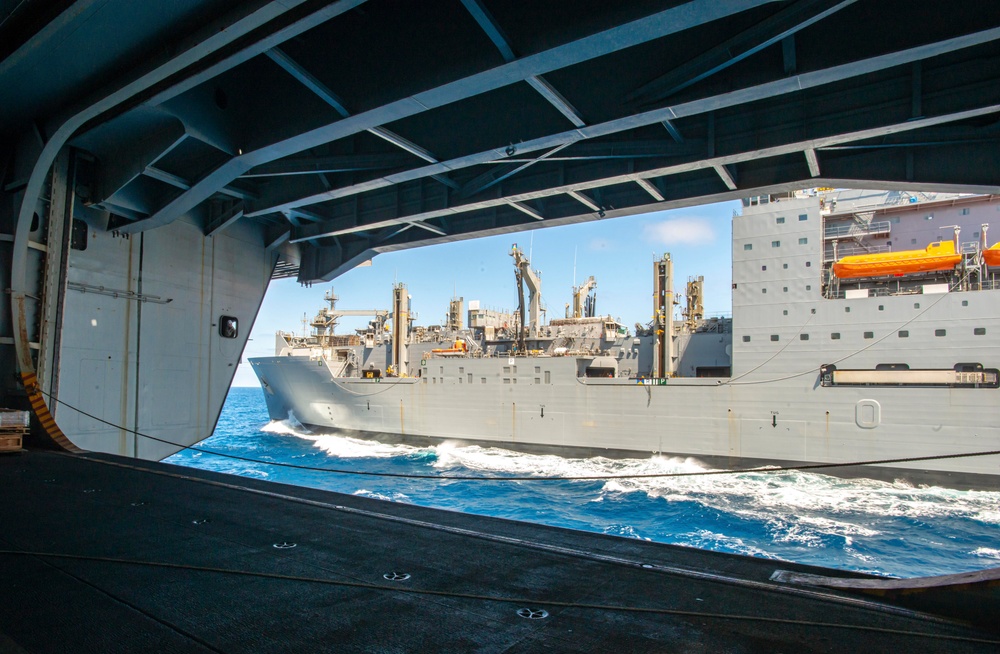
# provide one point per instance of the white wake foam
(797, 507)
(290, 426)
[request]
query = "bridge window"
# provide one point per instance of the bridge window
(746, 339)
(774, 337)
(916, 305)
(506, 380)
(803, 217)
(763, 290)
(809, 287)
(548, 377)
(470, 377)
(780, 220)
(784, 266)
(749, 246)
(809, 264)
(763, 267)
(847, 309)
(965, 212)
(940, 332)
(903, 333)
(803, 337)
(785, 312)
(835, 336)
(979, 331)
(965, 303)
(784, 289)
(776, 244)
(881, 307)
(869, 334)
(803, 241)
(538, 380)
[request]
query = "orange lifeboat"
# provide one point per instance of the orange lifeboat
(939, 255)
(459, 348)
(992, 256)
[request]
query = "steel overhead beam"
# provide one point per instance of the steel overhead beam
(489, 25)
(556, 99)
(313, 232)
(643, 30)
(672, 130)
(492, 178)
(783, 86)
(778, 27)
(584, 200)
(300, 16)
(306, 78)
(430, 228)
(329, 164)
(649, 188)
(179, 182)
(812, 161)
(726, 175)
(523, 209)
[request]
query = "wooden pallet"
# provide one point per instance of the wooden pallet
(11, 440)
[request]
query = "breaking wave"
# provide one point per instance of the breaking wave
(856, 524)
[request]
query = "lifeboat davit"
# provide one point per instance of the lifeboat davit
(939, 255)
(992, 256)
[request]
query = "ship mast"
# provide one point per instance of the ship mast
(400, 325)
(663, 317)
(583, 306)
(525, 275)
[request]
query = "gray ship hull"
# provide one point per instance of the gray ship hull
(721, 423)
(817, 370)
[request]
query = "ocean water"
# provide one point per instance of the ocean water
(853, 524)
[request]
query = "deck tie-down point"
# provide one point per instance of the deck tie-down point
(533, 614)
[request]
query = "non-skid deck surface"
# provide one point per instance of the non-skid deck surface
(219, 584)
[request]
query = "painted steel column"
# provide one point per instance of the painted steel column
(58, 229)
(242, 23)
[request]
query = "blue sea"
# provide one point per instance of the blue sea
(853, 524)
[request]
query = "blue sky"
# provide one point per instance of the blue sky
(618, 252)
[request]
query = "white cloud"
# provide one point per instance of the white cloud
(686, 231)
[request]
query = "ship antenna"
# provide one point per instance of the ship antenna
(574, 266)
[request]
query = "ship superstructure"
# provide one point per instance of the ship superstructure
(832, 355)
